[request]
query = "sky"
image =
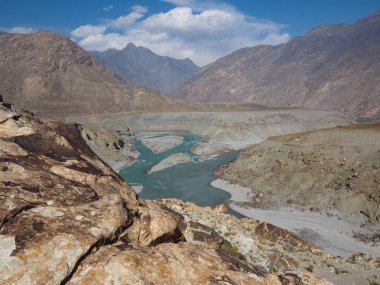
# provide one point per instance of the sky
(202, 30)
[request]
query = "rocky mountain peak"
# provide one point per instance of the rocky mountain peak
(53, 51)
(138, 51)
(130, 46)
(140, 66)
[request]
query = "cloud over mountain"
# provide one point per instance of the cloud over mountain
(200, 31)
(20, 30)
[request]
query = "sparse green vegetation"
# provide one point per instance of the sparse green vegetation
(234, 251)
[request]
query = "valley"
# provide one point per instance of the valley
(212, 141)
(223, 130)
(124, 162)
(61, 203)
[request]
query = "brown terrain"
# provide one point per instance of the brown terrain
(323, 170)
(332, 67)
(49, 74)
(67, 218)
(52, 76)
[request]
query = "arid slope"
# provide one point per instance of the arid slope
(335, 168)
(49, 74)
(333, 67)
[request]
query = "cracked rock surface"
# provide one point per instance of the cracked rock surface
(67, 218)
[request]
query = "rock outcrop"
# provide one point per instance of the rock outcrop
(67, 218)
(332, 67)
(273, 249)
(113, 146)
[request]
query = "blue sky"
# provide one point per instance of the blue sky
(202, 30)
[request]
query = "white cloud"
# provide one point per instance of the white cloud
(108, 8)
(139, 9)
(88, 30)
(182, 33)
(20, 30)
(103, 42)
(200, 6)
(124, 21)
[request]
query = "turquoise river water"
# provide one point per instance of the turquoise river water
(191, 182)
(188, 182)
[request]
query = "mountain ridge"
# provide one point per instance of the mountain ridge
(331, 67)
(49, 74)
(142, 67)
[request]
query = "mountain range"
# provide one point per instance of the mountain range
(332, 67)
(141, 67)
(49, 74)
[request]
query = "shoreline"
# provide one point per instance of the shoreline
(119, 166)
(170, 161)
(238, 193)
(332, 234)
(137, 188)
(160, 144)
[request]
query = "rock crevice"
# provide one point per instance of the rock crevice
(104, 241)
(14, 213)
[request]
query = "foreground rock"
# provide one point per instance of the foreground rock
(171, 161)
(276, 250)
(67, 218)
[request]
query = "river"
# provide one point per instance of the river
(189, 182)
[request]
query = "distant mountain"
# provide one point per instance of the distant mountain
(332, 67)
(140, 66)
(48, 73)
